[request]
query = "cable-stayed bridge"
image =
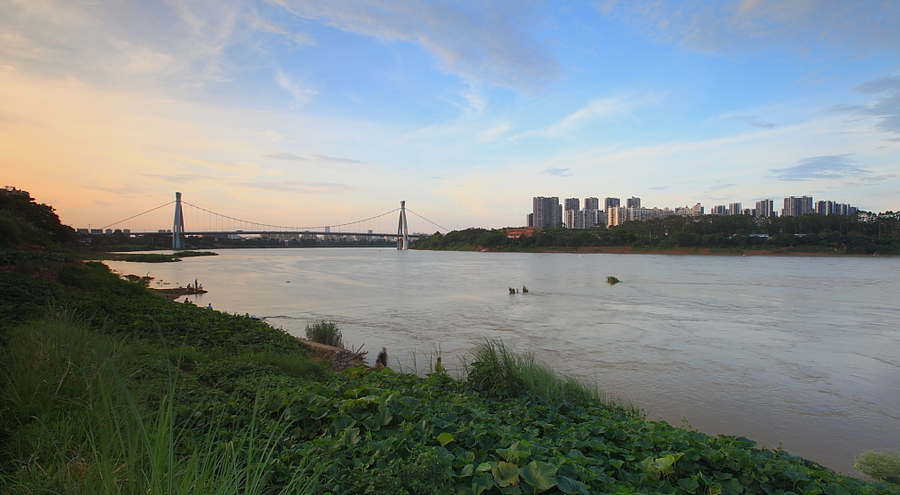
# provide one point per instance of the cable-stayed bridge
(205, 222)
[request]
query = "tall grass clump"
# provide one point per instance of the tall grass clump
(883, 466)
(73, 421)
(500, 371)
(325, 332)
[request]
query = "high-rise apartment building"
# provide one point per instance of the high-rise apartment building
(572, 205)
(765, 208)
(696, 210)
(610, 203)
(734, 209)
(832, 208)
(591, 204)
(546, 212)
(591, 216)
(794, 206)
(614, 215)
(633, 202)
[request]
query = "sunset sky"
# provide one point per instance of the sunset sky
(319, 112)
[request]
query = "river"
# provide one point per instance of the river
(797, 352)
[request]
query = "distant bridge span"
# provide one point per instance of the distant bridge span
(178, 232)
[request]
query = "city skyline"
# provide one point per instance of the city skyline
(549, 212)
(323, 112)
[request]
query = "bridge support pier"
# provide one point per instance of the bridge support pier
(403, 229)
(178, 225)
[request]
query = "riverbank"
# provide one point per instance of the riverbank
(140, 257)
(681, 251)
(175, 293)
(353, 432)
(713, 235)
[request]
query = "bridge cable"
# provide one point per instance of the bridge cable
(135, 216)
(288, 228)
(427, 220)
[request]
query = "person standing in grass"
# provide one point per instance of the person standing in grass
(381, 360)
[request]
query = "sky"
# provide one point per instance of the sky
(320, 112)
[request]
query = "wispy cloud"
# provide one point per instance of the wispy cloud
(886, 107)
(493, 133)
(479, 42)
(720, 186)
(603, 108)
(751, 120)
(860, 27)
(284, 156)
(336, 160)
(301, 94)
(123, 43)
(293, 186)
(559, 172)
(822, 167)
(181, 178)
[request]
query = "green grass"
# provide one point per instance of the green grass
(75, 420)
(500, 371)
(325, 332)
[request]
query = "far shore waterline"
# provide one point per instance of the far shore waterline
(99, 255)
(669, 251)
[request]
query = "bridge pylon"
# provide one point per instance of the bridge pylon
(178, 225)
(403, 229)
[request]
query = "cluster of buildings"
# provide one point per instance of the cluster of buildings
(548, 212)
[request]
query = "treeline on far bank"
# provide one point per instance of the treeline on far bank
(862, 233)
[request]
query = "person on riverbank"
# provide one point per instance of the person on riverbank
(381, 360)
(209, 306)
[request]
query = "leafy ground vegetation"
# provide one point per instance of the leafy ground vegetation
(861, 233)
(108, 388)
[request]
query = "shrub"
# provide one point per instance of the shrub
(325, 332)
(612, 280)
(882, 466)
(499, 371)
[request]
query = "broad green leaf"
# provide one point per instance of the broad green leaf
(342, 423)
(648, 464)
(733, 485)
(835, 489)
(506, 474)
(539, 475)
(663, 464)
(516, 452)
(482, 483)
(688, 484)
(571, 486)
(352, 436)
(484, 467)
(576, 454)
(445, 438)
(467, 470)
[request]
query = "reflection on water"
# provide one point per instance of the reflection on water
(792, 351)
